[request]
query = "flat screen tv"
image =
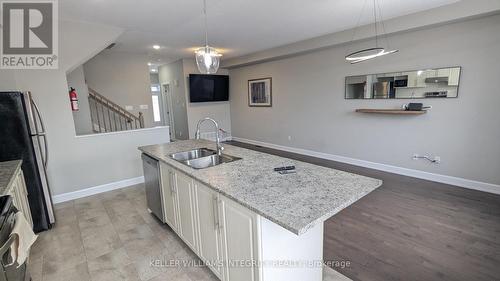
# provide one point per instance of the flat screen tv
(208, 88)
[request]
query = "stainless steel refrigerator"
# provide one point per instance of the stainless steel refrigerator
(381, 90)
(23, 136)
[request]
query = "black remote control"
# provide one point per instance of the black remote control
(286, 168)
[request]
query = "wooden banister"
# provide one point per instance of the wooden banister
(109, 116)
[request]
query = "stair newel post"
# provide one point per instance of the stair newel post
(141, 119)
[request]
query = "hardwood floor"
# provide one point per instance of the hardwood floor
(412, 229)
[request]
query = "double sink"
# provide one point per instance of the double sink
(202, 158)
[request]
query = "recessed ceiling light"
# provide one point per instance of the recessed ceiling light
(156, 47)
(149, 64)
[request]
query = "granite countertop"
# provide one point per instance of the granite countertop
(7, 171)
(296, 202)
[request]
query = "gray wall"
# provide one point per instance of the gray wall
(309, 104)
(83, 123)
(219, 111)
(76, 163)
(124, 79)
(193, 112)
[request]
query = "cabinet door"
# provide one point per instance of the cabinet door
(454, 77)
(432, 73)
(239, 241)
(12, 192)
(209, 246)
(168, 191)
(443, 72)
(185, 206)
(22, 194)
(412, 78)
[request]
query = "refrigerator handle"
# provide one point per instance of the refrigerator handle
(42, 134)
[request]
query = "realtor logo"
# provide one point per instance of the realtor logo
(29, 35)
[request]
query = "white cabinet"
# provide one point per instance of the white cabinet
(184, 193)
(454, 76)
(239, 229)
(431, 73)
(178, 204)
(220, 231)
(210, 243)
(416, 79)
(443, 72)
(19, 195)
(169, 198)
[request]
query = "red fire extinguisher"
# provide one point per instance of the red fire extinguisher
(73, 97)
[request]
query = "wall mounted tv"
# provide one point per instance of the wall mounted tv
(208, 88)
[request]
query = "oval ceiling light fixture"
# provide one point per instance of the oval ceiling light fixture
(156, 47)
(374, 52)
(207, 58)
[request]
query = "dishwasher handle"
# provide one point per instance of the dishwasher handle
(150, 160)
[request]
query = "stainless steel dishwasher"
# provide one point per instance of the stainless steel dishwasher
(152, 183)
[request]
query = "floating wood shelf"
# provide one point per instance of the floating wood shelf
(391, 111)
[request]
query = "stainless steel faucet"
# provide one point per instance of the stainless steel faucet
(217, 139)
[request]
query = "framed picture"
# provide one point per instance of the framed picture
(260, 92)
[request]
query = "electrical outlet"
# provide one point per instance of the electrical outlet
(437, 159)
(415, 156)
(289, 138)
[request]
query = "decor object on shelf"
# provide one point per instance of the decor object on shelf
(374, 52)
(207, 58)
(415, 106)
(260, 92)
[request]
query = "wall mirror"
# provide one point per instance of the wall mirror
(425, 83)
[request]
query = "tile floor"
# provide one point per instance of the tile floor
(111, 236)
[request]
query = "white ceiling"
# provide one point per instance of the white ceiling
(236, 27)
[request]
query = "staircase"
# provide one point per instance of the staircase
(106, 116)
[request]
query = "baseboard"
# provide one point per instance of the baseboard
(96, 190)
(461, 182)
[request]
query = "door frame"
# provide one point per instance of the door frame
(166, 94)
(160, 104)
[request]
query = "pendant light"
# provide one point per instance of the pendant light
(207, 58)
(374, 52)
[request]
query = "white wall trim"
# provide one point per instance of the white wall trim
(461, 182)
(96, 190)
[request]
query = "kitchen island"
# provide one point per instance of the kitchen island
(249, 222)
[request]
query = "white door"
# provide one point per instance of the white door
(186, 209)
(159, 116)
(169, 198)
(209, 246)
(239, 241)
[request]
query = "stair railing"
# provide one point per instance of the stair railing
(107, 116)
